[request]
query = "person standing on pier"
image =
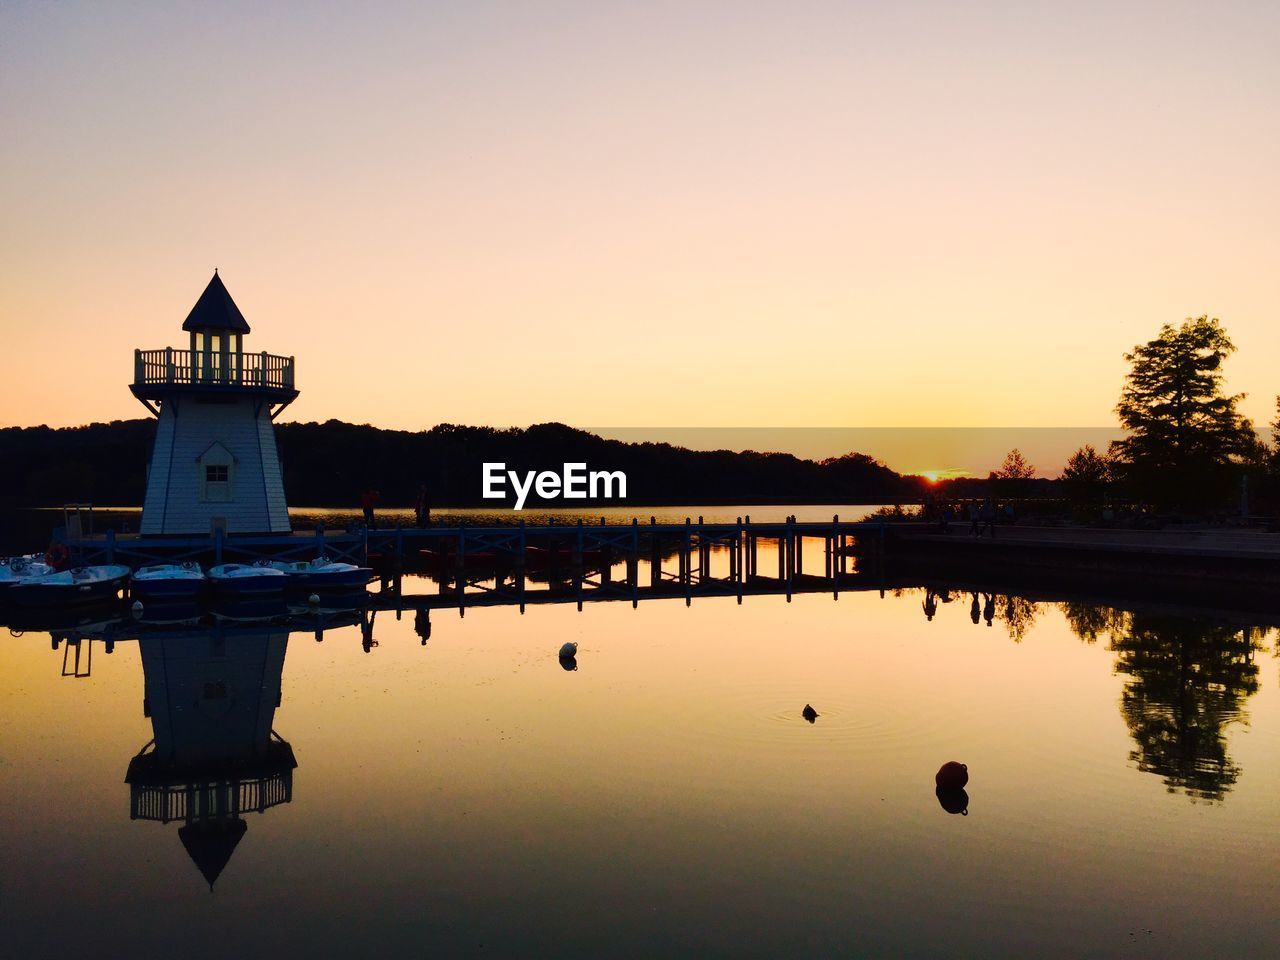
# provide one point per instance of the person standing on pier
(422, 508)
(369, 500)
(972, 508)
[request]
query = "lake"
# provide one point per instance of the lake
(468, 795)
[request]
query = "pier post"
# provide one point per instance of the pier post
(831, 550)
(633, 563)
(111, 545)
(686, 564)
(461, 565)
(577, 564)
(686, 548)
(217, 546)
(520, 561)
(655, 554)
(606, 557)
(790, 553)
(782, 553)
(399, 544)
(704, 552)
(738, 578)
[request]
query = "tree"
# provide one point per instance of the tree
(1275, 438)
(1014, 474)
(1186, 436)
(1015, 467)
(1086, 475)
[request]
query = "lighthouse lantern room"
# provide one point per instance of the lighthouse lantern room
(214, 463)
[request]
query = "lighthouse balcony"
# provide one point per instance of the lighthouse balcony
(156, 372)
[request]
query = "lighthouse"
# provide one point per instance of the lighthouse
(214, 464)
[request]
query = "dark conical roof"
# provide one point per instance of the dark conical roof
(211, 844)
(215, 310)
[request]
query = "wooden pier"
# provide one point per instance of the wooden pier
(662, 558)
(582, 560)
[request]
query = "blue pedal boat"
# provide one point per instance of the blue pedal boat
(15, 570)
(169, 581)
(231, 580)
(322, 575)
(80, 585)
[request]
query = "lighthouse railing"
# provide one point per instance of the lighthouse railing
(172, 366)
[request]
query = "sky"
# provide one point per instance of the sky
(746, 214)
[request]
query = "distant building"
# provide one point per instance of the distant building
(214, 462)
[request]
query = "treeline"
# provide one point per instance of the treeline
(329, 464)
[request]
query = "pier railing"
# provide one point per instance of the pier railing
(173, 366)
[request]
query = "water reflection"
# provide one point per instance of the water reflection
(212, 685)
(1189, 680)
(954, 800)
(211, 694)
(677, 751)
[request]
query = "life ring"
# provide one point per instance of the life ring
(57, 556)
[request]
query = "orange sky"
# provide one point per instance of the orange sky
(817, 214)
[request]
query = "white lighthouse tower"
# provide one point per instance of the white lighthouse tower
(214, 463)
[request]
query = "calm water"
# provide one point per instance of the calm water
(468, 796)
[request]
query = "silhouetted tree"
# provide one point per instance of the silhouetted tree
(1015, 467)
(328, 464)
(1272, 453)
(1188, 680)
(1014, 475)
(1185, 434)
(1086, 476)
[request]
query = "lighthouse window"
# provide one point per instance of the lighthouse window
(217, 481)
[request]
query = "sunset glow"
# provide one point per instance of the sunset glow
(832, 214)
(933, 476)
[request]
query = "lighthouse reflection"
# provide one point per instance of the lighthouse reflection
(211, 694)
(212, 683)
